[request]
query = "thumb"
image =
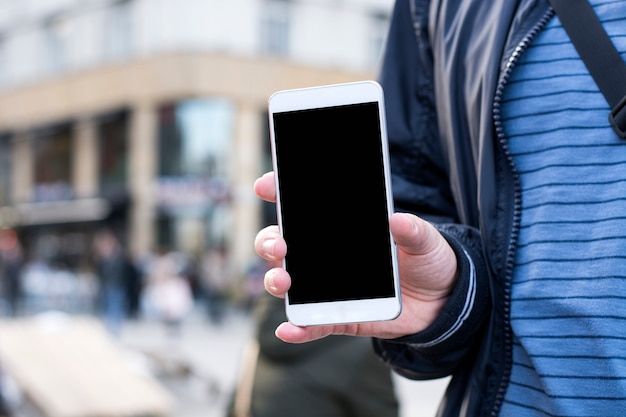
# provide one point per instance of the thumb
(413, 235)
(427, 262)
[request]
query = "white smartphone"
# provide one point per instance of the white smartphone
(331, 163)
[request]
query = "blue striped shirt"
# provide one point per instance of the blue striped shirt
(568, 310)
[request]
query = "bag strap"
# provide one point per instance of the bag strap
(599, 55)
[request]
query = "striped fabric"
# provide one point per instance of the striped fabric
(568, 309)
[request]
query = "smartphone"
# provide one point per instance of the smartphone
(331, 163)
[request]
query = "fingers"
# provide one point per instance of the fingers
(277, 282)
(265, 187)
(270, 246)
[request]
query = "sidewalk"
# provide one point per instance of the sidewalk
(199, 367)
(203, 365)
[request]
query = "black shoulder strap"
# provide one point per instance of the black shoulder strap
(599, 55)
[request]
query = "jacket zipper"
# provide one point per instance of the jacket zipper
(517, 201)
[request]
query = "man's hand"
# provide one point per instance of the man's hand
(428, 272)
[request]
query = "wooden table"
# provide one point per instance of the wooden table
(71, 367)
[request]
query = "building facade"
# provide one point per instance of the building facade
(148, 117)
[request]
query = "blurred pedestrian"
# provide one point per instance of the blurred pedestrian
(134, 284)
(11, 264)
(339, 376)
(215, 280)
(167, 294)
(115, 270)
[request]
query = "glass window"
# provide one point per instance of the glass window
(112, 132)
(275, 27)
(53, 163)
(118, 30)
(169, 142)
(206, 128)
(57, 31)
(195, 137)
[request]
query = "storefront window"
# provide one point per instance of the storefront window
(195, 139)
(169, 142)
(112, 131)
(53, 163)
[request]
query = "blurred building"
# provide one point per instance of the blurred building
(149, 116)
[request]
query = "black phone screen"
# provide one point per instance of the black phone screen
(333, 204)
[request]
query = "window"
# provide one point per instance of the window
(195, 137)
(53, 163)
(118, 30)
(275, 27)
(169, 142)
(57, 32)
(112, 132)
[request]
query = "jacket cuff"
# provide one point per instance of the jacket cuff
(456, 311)
(464, 312)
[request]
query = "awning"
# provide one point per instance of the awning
(68, 211)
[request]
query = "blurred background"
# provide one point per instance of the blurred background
(131, 132)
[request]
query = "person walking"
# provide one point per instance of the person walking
(167, 292)
(11, 267)
(114, 270)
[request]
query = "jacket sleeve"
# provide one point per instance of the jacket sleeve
(421, 185)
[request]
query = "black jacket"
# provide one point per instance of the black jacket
(445, 65)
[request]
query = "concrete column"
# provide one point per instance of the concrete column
(247, 163)
(85, 159)
(142, 173)
(23, 168)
